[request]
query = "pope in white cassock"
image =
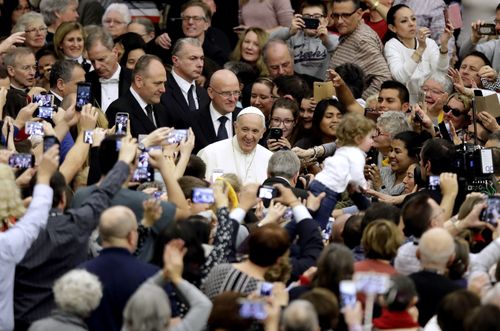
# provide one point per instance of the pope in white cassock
(241, 154)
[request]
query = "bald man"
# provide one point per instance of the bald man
(215, 122)
(436, 251)
(120, 272)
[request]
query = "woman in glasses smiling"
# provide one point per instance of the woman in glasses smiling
(284, 116)
(33, 25)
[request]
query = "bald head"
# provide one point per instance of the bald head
(115, 226)
(224, 90)
(278, 58)
(436, 248)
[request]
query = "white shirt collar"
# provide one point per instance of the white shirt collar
(183, 84)
(137, 97)
(215, 114)
(60, 98)
(114, 77)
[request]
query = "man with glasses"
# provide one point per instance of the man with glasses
(359, 44)
(196, 19)
(183, 97)
(241, 154)
(215, 122)
(21, 67)
(491, 48)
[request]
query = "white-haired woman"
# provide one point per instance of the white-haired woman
(33, 25)
(116, 19)
(11, 204)
(77, 293)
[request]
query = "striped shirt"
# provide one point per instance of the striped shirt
(224, 277)
(364, 48)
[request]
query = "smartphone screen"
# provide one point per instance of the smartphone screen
(267, 192)
(144, 172)
(83, 95)
(265, 289)
(434, 183)
(45, 105)
(202, 195)
(252, 309)
(88, 137)
(176, 136)
(491, 214)
(121, 123)
(34, 129)
(21, 161)
(347, 289)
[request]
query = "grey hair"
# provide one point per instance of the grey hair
(393, 122)
(48, 8)
(442, 80)
(300, 315)
(12, 54)
(27, 19)
(284, 164)
(78, 292)
(142, 64)
(99, 35)
(146, 23)
(275, 41)
(180, 43)
(436, 246)
(120, 8)
(148, 309)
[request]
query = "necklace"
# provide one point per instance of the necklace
(245, 157)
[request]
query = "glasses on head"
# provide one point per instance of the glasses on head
(277, 121)
(228, 94)
(344, 16)
(111, 21)
(315, 16)
(35, 30)
(431, 90)
(194, 18)
(455, 112)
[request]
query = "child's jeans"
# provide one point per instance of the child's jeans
(327, 204)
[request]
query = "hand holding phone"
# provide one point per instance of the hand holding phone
(121, 123)
(267, 192)
(21, 161)
(202, 195)
(83, 95)
(491, 214)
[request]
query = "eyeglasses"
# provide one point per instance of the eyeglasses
(277, 121)
(227, 94)
(28, 67)
(194, 18)
(431, 90)
(344, 16)
(455, 112)
(111, 21)
(315, 16)
(380, 133)
(35, 30)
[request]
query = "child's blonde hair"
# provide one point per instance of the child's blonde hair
(352, 128)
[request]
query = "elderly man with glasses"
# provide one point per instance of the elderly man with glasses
(359, 44)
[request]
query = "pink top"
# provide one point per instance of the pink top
(266, 14)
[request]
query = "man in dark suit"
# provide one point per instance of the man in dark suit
(142, 100)
(118, 270)
(64, 77)
(284, 168)
(109, 80)
(215, 122)
(183, 97)
(21, 67)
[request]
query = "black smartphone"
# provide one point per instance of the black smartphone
(275, 133)
(83, 95)
(267, 192)
(487, 29)
(21, 161)
(202, 195)
(417, 118)
(491, 214)
(444, 129)
(144, 172)
(311, 23)
(372, 156)
(45, 105)
(121, 123)
(48, 142)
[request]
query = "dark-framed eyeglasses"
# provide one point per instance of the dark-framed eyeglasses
(344, 16)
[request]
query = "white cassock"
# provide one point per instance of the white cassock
(227, 156)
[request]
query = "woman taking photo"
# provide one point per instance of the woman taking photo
(412, 56)
(249, 49)
(284, 115)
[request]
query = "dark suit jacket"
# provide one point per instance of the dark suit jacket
(203, 128)
(123, 85)
(139, 121)
(15, 100)
(121, 274)
(177, 106)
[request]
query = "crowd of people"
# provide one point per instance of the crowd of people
(291, 165)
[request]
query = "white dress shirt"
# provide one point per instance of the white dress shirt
(214, 114)
(185, 86)
(110, 89)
